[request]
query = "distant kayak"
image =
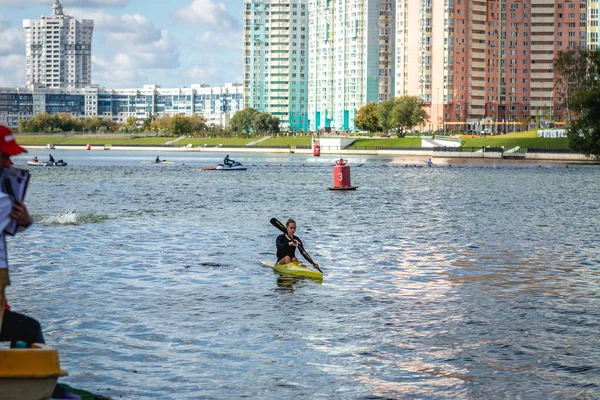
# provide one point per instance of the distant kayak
(154, 162)
(293, 269)
(59, 163)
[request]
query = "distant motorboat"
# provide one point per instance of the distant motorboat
(236, 166)
(59, 163)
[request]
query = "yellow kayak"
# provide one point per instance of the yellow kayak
(294, 269)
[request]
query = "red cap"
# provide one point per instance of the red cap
(8, 144)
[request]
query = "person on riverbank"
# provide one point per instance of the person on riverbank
(14, 327)
(228, 161)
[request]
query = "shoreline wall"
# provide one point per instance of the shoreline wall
(410, 154)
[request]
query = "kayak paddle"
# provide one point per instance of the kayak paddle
(277, 224)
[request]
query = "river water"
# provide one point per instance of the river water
(443, 283)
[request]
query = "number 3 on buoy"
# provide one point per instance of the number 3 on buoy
(341, 176)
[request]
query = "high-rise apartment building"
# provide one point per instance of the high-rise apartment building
(477, 60)
(276, 60)
(386, 49)
(592, 25)
(344, 59)
(58, 50)
(426, 58)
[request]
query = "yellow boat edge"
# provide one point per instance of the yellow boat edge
(293, 269)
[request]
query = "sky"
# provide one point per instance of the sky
(174, 43)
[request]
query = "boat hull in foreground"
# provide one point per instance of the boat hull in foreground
(293, 269)
(29, 373)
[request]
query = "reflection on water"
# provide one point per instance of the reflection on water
(467, 282)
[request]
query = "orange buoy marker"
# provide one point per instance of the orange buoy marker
(89, 147)
(341, 176)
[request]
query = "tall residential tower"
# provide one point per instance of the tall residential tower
(488, 61)
(58, 50)
(345, 60)
(276, 59)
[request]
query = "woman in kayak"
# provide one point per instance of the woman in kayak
(287, 243)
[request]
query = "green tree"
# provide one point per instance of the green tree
(384, 113)
(180, 125)
(147, 123)
(584, 132)
(131, 124)
(23, 126)
(243, 120)
(274, 124)
(162, 124)
(366, 118)
(408, 112)
(261, 123)
(577, 71)
(198, 123)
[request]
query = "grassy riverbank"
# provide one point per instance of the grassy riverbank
(522, 139)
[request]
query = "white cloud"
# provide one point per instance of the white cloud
(208, 14)
(93, 3)
(133, 49)
(216, 42)
(133, 65)
(12, 71)
(4, 23)
(12, 55)
(128, 28)
(77, 3)
(12, 3)
(11, 41)
(210, 70)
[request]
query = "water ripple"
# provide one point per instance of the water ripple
(457, 283)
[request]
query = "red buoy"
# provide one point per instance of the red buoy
(88, 147)
(317, 150)
(341, 176)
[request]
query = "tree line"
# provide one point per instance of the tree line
(396, 114)
(243, 122)
(251, 120)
